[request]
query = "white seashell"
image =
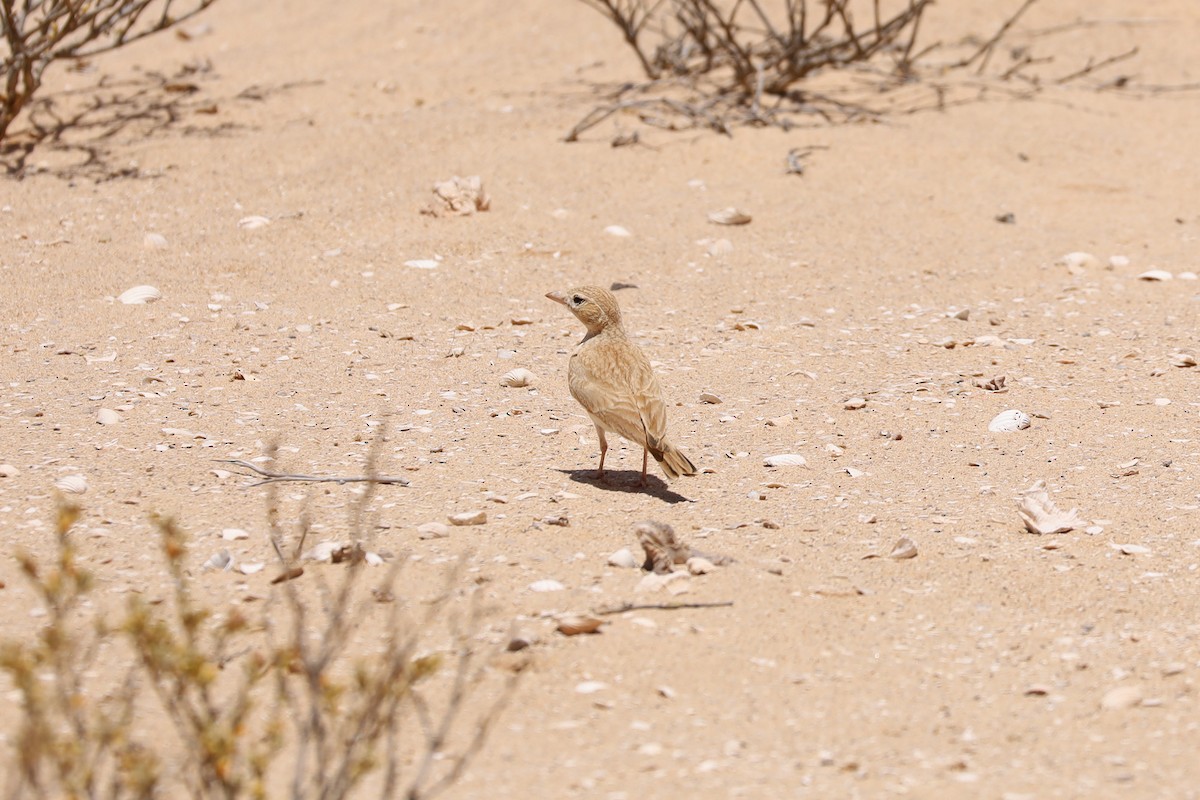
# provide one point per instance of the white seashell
(72, 484)
(373, 559)
(1041, 516)
(785, 460)
(699, 565)
(250, 568)
(221, 561)
(854, 473)
(1187, 276)
(904, 548)
(1155, 275)
(1077, 262)
(433, 530)
(1121, 698)
(106, 416)
(154, 241)
(1130, 549)
(518, 377)
(718, 247)
(469, 518)
(1183, 360)
(422, 263)
(590, 687)
(547, 585)
(729, 216)
(623, 558)
(617, 230)
(233, 534)
(253, 223)
(1009, 421)
(1118, 262)
(139, 295)
(854, 403)
(9, 471)
(710, 398)
(323, 551)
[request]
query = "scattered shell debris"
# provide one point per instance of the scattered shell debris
(994, 384)
(432, 530)
(72, 484)
(253, 223)
(1121, 698)
(518, 378)
(221, 562)
(574, 625)
(469, 518)
(729, 216)
(664, 549)
(1010, 421)
(139, 295)
(785, 460)
(1041, 516)
(1183, 360)
(460, 196)
(623, 558)
(1155, 275)
(1078, 262)
(903, 549)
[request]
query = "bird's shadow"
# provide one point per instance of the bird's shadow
(627, 481)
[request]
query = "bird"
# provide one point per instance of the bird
(612, 379)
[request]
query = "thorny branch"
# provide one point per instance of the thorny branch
(274, 477)
(719, 65)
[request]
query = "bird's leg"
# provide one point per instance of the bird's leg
(603, 450)
(645, 451)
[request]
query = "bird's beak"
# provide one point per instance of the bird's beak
(557, 297)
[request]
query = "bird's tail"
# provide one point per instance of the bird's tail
(673, 460)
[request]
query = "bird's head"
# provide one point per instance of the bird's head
(595, 307)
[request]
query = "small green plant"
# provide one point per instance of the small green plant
(38, 33)
(275, 707)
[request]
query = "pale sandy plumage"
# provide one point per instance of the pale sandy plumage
(613, 381)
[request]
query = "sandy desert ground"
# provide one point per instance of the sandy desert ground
(996, 663)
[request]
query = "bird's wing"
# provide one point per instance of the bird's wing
(609, 384)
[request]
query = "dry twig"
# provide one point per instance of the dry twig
(274, 477)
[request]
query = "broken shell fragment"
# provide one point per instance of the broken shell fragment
(253, 223)
(785, 460)
(221, 561)
(469, 518)
(904, 548)
(517, 378)
(546, 585)
(1155, 275)
(729, 216)
(623, 558)
(710, 398)
(72, 484)
(154, 241)
(1077, 262)
(1183, 360)
(1009, 421)
(575, 625)
(106, 416)
(462, 196)
(1041, 516)
(139, 295)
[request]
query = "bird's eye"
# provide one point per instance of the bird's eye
(577, 300)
